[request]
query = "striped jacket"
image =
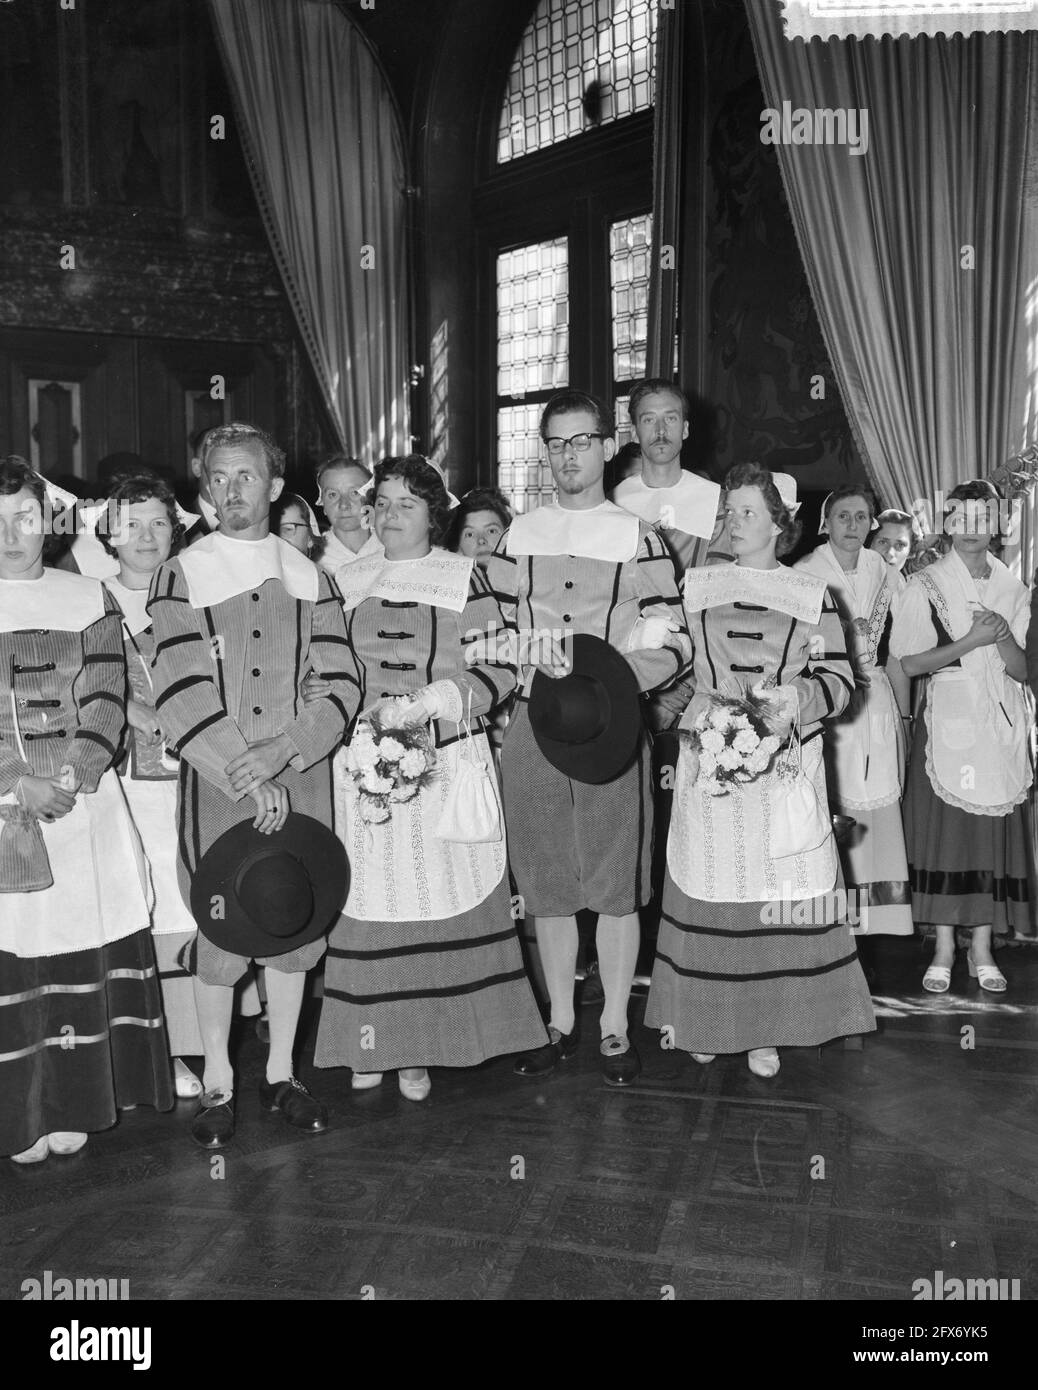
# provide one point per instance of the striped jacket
(70, 692)
(404, 645)
(605, 598)
(230, 675)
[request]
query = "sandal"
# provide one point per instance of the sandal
(989, 977)
(937, 979)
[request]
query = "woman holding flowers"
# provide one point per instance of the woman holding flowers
(424, 967)
(754, 952)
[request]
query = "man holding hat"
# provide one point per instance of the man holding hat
(240, 619)
(589, 595)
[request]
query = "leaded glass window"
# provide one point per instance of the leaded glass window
(580, 64)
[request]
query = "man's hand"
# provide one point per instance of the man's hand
(271, 807)
(260, 763)
(549, 656)
(45, 798)
(143, 718)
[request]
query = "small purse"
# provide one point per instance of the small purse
(799, 823)
(24, 864)
(471, 813)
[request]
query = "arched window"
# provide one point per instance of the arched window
(564, 210)
(578, 65)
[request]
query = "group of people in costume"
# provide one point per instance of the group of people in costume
(181, 808)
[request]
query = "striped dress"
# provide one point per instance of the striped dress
(81, 1030)
(753, 951)
(409, 983)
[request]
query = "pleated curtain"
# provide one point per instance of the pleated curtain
(327, 161)
(921, 253)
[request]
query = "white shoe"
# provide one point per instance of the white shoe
(416, 1090)
(36, 1154)
(64, 1141)
(702, 1057)
(186, 1084)
(764, 1061)
(365, 1080)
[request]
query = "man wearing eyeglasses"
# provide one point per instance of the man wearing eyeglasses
(583, 565)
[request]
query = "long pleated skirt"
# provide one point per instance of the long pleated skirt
(965, 870)
(445, 993)
(80, 1035)
(729, 977)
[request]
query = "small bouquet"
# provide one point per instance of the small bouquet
(388, 759)
(733, 740)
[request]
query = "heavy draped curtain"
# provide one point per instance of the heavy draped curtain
(920, 253)
(327, 163)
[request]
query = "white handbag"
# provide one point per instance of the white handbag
(472, 813)
(799, 823)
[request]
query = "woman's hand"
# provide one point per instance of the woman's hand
(144, 720)
(271, 807)
(314, 688)
(261, 762)
(987, 629)
(45, 798)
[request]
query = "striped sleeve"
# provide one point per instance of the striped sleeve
(658, 597)
(100, 695)
(827, 682)
(503, 579)
(321, 726)
(488, 681)
(193, 716)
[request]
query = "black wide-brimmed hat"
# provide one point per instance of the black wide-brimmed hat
(588, 724)
(265, 895)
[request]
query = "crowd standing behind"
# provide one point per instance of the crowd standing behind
(199, 688)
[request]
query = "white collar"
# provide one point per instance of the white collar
(797, 593)
(133, 604)
(92, 558)
(439, 579)
(58, 601)
(336, 554)
(219, 567)
(689, 505)
(605, 532)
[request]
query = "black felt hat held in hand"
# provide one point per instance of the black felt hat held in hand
(264, 895)
(588, 724)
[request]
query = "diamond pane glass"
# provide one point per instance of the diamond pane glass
(580, 64)
(523, 473)
(630, 243)
(532, 319)
(622, 416)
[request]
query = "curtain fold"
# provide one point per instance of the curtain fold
(931, 356)
(327, 162)
(668, 130)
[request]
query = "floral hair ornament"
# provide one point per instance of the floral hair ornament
(823, 524)
(786, 485)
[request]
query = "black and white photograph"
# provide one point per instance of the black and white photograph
(518, 668)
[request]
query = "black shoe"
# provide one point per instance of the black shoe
(543, 1060)
(213, 1124)
(620, 1068)
(296, 1104)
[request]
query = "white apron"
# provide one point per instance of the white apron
(718, 846)
(977, 720)
(865, 742)
(101, 891)
(399, 870)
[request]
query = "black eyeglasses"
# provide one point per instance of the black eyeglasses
(579, 443)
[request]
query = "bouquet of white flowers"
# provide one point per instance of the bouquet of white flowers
(733, 740)
(389, 760)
